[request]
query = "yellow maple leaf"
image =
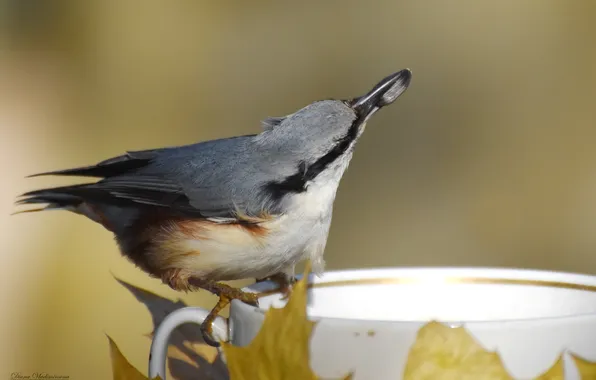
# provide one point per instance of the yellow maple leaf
(280, 350)
(586, 368)
(121, 368)
(444, 353)
(556, 372)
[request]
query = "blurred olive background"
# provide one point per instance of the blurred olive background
(487, 160)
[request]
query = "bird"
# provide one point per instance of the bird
(250, 206)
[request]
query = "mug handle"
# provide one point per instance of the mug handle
(160, 342)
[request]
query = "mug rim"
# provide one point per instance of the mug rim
(440, 275)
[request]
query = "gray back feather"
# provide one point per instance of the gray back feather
(220, 176)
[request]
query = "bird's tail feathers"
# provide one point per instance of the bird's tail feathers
(56, 198)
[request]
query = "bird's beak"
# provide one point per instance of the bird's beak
(384, 93)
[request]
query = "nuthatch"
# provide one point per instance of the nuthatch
(235, 208)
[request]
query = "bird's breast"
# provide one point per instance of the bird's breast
(316, 202)
(227, 251)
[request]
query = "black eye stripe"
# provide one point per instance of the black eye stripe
(296, 183)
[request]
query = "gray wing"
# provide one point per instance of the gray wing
(209, 179)
(223, 176)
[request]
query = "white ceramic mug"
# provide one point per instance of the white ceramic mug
(368, 319)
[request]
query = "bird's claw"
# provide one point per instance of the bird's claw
(226, 295)
(207, 333)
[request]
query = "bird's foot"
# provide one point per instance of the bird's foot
(182, 280)
(284, 282)
(226, 294)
